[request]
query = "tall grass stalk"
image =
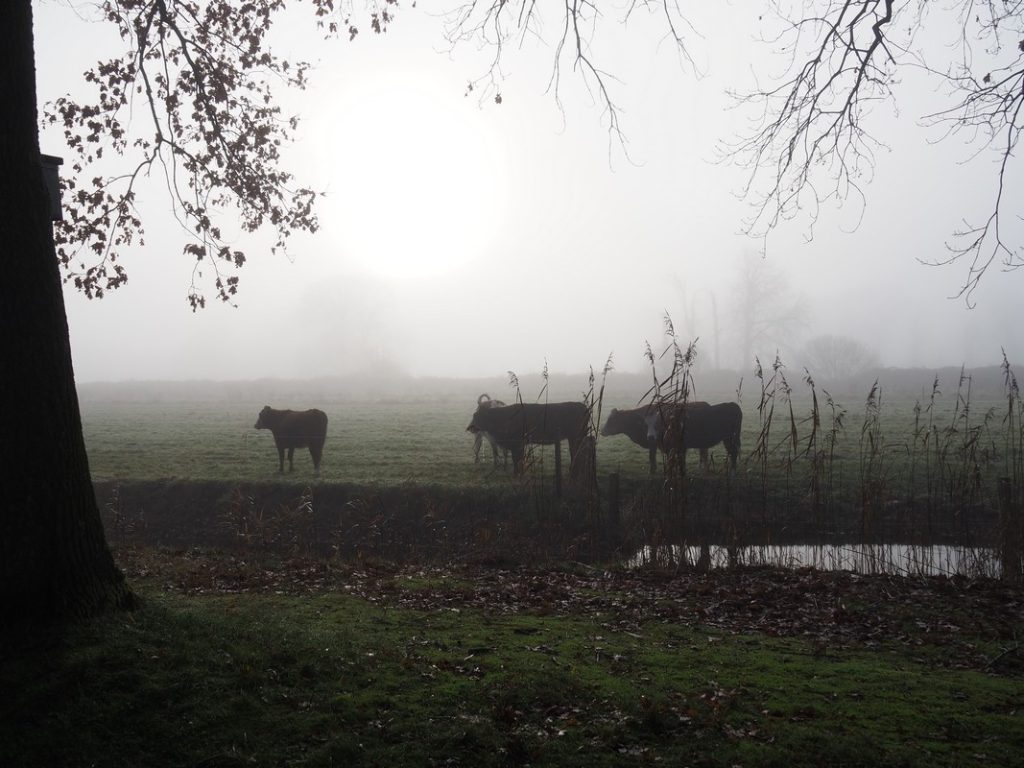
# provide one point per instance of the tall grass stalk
(1011, 485)
(872, 465)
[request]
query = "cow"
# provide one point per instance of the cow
(485, 401)
(633, 423)
(513, 427)
(295, 429)
(679, 428)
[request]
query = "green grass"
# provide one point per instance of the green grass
(366, 443)
(416, 442)
(914, 475)
(335, 679)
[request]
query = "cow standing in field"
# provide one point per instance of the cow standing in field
(485, 401)
(676, 429)
(633, 423)
(513, 427)
(295, 429)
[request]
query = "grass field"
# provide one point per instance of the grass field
(253, 647)
(419, 442)
(366, 443)
(902, 470)
(256, 661)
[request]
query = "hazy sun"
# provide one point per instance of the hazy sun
(415, 181)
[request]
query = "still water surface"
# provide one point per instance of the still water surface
(898, 559)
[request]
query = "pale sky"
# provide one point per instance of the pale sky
(461, 239)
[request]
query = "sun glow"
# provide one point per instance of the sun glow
(415, 181)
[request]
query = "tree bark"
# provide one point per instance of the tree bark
(54, 561)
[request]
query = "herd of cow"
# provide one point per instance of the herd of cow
(509, 429)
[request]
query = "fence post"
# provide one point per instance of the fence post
(1010, 525)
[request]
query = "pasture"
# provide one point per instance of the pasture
(921, 470)
(413, 441)
(367, 443)
(261, 661)
(373, 615)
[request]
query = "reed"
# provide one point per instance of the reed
(810, 477)
(1011, 483)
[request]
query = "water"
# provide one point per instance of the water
(897, 559)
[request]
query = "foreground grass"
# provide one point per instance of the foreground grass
(421, 672)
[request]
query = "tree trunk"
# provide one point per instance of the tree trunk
(54, 561)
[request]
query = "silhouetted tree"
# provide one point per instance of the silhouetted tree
(693, 301)
(765, 312)
(54, 561)
(199, 76)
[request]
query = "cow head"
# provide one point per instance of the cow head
(655, 425)
(263, 421)
(611, 426)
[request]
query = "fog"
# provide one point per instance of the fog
(462, 239)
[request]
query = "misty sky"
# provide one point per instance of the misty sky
(461, 239)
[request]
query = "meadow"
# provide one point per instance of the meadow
(257, 661)
(412, 439)
(913, 468)
(410, 607)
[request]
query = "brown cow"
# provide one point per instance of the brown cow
(633, 423)
(697, 426)
(515, 426)
(485, 401)
(295, 429)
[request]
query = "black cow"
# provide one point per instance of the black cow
(633, 423)
(677, 429)
(295, 429)
(513, 427)
(485, 401)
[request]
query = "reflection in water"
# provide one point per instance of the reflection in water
(898, 559)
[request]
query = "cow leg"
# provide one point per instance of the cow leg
(518, 458)
(280, 459)
(291, 459)
(494, 451)
(317, 452)
(703, 458)
(478, 441)
(654, 459)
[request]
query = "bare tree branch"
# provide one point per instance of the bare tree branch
(497, 24)
(813, 123)
(989, 110)
(206, 76)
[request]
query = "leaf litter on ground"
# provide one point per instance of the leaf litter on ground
(831, 609)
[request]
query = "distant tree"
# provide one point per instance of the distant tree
(765, 311)
(690, 302)
(834, 358)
